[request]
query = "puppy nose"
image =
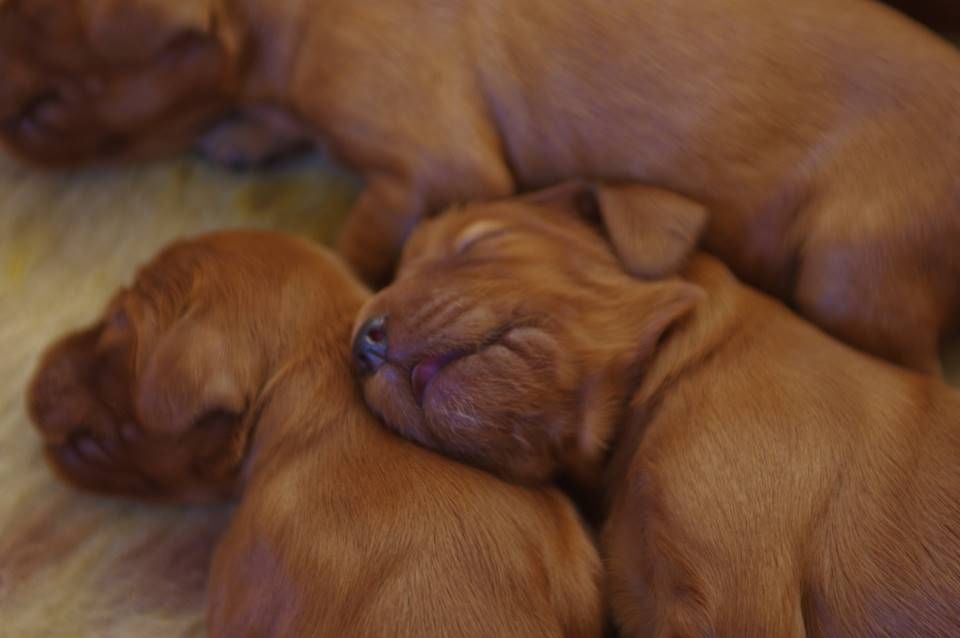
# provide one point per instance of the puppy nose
(370, 345)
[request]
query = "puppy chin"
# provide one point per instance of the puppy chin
(389, 396)
(486, 409)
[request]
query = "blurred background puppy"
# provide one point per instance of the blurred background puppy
(819, 134)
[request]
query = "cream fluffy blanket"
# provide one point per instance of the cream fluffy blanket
(73, 565)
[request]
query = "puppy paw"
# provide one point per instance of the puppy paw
(244, 143)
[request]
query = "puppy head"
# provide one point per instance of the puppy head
(158, 399)
(512, 332)
(111, 79)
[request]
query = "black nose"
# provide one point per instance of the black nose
(370, 346)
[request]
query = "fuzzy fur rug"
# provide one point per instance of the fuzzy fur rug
(73, 565)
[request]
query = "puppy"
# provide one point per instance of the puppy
(225, 370)
(762, 479)
(821, 136)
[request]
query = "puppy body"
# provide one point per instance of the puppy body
(346, 530)
(761, 479)
(226, 369)
(770, 461)
(820, 136)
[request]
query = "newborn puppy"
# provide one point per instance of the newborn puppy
(821, 135)
(225, 369)
(762, 479)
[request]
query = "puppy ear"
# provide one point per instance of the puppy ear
(193, 375)
(662, 305)
(653, 231)
(654, 308)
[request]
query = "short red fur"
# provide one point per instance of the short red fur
(225, 370)
(761, 479)
(821, 135)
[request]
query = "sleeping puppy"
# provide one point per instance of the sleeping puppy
(821, 135)
(762, 479)
(225, 370)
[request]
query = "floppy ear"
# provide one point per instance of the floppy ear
(193, 375)
(62, 396)
(136, 30)
(660, 306)
(653, 231)
(653, 309)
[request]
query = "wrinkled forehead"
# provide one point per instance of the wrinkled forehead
(536, 227)
(443, 234)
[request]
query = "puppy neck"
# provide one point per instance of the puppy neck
(711, 326)
(308, 398)
(307, 388)
(615, 342)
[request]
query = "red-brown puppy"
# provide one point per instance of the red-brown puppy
(763, 479)
(225, 369)
(822, 135)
